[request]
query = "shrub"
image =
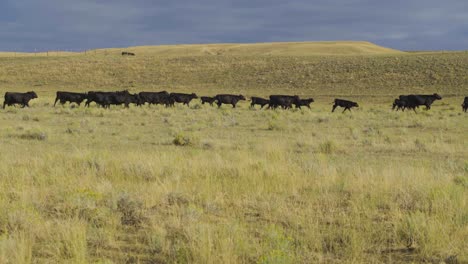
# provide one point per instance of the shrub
(131, 211)
(327, 147)
(183, 140)
(275, 125)
(41, 136)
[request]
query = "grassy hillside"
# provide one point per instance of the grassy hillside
(259, 49)
(243, 69)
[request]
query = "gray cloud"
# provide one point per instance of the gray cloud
(26, 25)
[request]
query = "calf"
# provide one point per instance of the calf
(228, 99)
(399, 104)
(127, 53)
(207, 99)
(283, 101)
(465, 104)
(64, 97)
(258, 101)
(347, 105)
(304, 102)
(183, 98)
(19, 98)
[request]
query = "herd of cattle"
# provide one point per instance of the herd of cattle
(106, 99)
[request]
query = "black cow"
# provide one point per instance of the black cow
(228, 99)
(304, 102)
(154, 98)
(414, 101)
(207, 99)
(19, 98)
(429, 99)
(283, 101)
(258, 101)
(182, 98)
(64, 97)
(127, 53)
(105, 99)
(100, 98)
(465, 104)
(123, 97)
(347, 105)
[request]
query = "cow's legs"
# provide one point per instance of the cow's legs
(56, 99)
(334, 107)
(219, 104)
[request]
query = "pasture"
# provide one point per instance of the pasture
(205, 185)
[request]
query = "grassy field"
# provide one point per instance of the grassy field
(207, 185)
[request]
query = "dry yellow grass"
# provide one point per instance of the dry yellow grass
(207, 185)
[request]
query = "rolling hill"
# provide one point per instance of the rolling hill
(274, 49)
(307, 68)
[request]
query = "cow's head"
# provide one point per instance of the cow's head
(193, 95)
(241, 97)
(310, 100)
(437, 97)
(32, 94)
(355, 104)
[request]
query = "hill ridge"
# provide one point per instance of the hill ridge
(306, 48)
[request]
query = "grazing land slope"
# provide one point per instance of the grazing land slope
(251, 69)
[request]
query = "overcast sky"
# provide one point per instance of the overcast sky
(26, 25)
